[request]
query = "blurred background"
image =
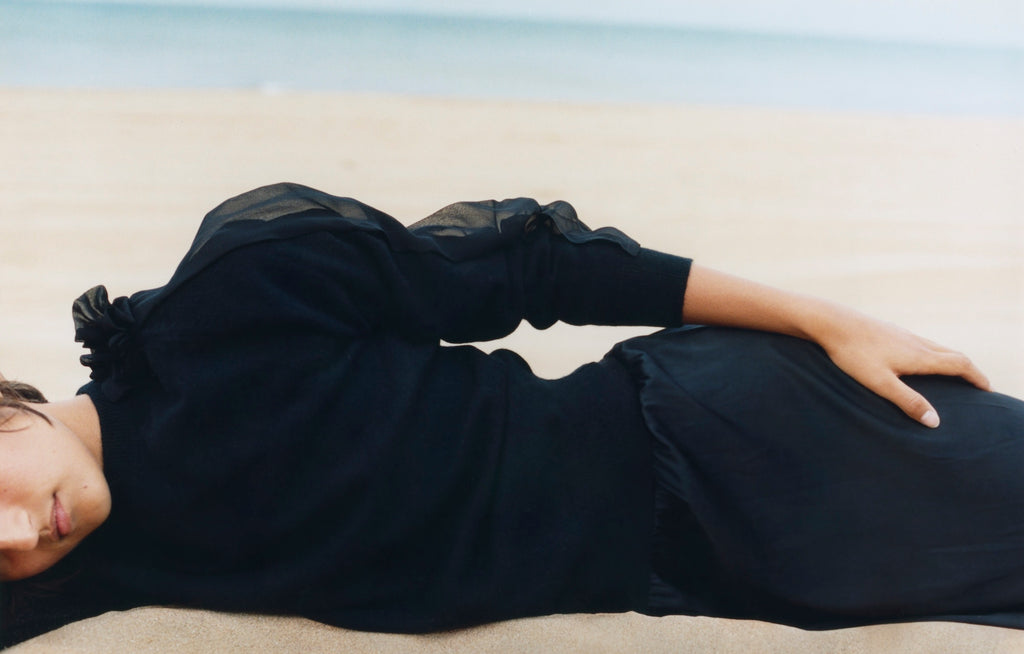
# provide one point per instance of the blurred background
(950, 56)
(868, 151)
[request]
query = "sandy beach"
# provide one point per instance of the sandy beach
(915, 219)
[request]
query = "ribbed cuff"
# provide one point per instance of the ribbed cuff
(660, 284)
(608, 286)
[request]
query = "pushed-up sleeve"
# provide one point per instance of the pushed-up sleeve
(470, 272)
(538, 273)
(290, 255)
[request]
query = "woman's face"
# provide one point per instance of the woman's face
(52, 493)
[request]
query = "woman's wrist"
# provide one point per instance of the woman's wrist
(823, 321)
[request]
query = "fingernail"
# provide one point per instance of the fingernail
(930, 419)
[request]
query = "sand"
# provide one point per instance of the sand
(915, 219)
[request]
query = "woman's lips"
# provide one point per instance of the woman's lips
(61, 519)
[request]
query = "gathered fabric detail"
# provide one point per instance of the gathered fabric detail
(492, 223)
(458, 232)
(107, 328)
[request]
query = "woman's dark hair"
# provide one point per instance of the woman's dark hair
(20, 396)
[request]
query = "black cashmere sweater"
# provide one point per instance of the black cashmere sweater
(284, 430)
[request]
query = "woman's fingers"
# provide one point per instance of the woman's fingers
(877, 354)
(910, 402)
(915, 406)
(938, 363)
(959, 365)
(949, 363)
(881, 370)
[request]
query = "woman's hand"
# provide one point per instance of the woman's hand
(873, 352)
(877, 354)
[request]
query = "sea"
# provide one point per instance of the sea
(125, 46)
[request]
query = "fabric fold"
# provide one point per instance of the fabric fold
(106, 329)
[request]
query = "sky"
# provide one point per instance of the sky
(972, 22)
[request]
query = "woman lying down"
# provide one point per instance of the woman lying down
(280, 429)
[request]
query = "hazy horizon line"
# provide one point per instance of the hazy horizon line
(331, 6)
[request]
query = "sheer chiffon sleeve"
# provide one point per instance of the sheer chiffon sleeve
(470, 272)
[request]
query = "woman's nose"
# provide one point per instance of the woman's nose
(16, 530)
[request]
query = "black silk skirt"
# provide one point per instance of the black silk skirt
(787, 492)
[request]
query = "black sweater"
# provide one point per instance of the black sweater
(285, 432)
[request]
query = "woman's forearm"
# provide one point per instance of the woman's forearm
(716, 298)
(873, 352)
